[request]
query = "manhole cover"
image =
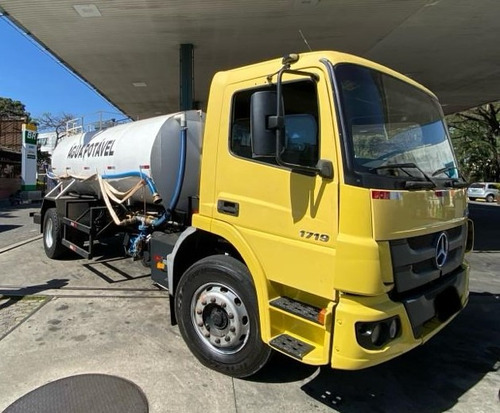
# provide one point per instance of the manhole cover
(86, 393)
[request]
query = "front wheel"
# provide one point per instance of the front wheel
(216, 308)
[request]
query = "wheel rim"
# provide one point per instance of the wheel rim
(49, 240)
(220, 318)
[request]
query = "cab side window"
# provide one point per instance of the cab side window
(301, 145)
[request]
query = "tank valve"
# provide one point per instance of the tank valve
(157, 198)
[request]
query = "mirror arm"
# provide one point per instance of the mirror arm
(323, 168)
(278, 121)
(313, 76)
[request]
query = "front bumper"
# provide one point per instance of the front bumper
(421, 317)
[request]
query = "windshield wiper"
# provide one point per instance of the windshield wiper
(443, 170)
(455, 182)
(410, 184)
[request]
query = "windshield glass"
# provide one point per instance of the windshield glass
(390, 122)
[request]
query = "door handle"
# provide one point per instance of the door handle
(228, 207)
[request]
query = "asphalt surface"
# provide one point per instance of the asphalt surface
(64, 318)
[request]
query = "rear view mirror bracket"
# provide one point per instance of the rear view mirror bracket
(268, 126)
(323, 168)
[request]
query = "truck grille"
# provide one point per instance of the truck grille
(430, 293)
(414, 259)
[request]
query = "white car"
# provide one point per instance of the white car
(483, 190)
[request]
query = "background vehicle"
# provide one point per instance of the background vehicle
(483, 190)
(325, 219)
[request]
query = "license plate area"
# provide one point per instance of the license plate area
(447, 303)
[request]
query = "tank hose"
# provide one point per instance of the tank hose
(180, 176)
(51, 175)
(147, 179)
(180, 173)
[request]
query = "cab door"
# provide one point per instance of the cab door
(289, 219)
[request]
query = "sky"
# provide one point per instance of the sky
(29, 74)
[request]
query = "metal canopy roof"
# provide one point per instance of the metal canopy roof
(451, 46)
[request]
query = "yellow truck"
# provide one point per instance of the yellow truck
(326, 219)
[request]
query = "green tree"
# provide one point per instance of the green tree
(13, 109)
(475, 134)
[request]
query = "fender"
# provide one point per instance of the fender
(234, 238)
(171, 257)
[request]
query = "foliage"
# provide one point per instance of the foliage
(475, 135)
(54, 123)
(13, 109)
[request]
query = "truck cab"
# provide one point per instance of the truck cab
(332, 218)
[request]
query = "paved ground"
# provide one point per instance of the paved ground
(62, 318)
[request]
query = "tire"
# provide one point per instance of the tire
(146, 259)
(52, 234)
(472, 199)
(216, 308)
(490, 198)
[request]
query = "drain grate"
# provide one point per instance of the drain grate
(96, 393)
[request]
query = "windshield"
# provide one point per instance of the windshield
(394, 131)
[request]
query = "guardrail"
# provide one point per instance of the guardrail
(94, 122)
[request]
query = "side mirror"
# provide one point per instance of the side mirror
(263, 137)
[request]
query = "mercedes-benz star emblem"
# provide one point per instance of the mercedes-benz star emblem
(442, 248)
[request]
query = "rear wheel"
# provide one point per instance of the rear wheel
(472, 199)
(52, 234)
(490, 198)
(216, 308)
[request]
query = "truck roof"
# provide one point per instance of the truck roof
(270, 67)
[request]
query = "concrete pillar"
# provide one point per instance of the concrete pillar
(186, 55)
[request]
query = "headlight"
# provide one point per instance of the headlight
(393, 329)
(375, 334)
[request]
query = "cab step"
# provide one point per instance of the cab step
(298, 308)
(291, 346)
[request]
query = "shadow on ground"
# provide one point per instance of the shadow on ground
(18, 294)
(430, 378)
(12, 211)
(107, 263)
(5, 228)
(105, 249)
(106, 269)
(283, 369)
